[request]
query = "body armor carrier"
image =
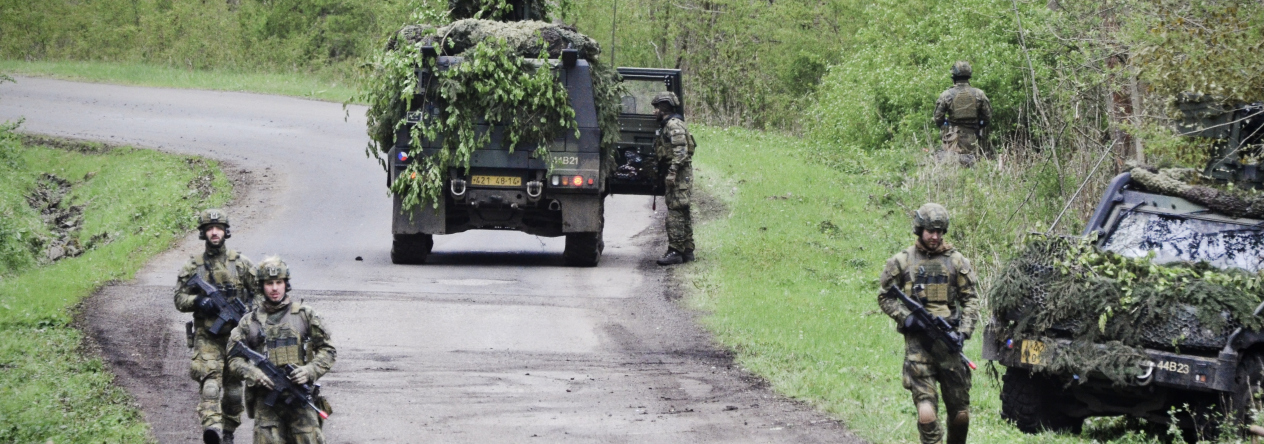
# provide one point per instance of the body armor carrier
(224, 281)
(286, 340)
(933, 282)
(965, 107)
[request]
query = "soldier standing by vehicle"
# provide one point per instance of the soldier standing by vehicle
(674, 147)
(220, 404)
(962, 112)
(289, 333)
(932, 271)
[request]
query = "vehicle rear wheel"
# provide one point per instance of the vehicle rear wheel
(1248, 387)
(583, 249)
(1031, 402)
(411, 248)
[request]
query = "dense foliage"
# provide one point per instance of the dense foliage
(881, 94)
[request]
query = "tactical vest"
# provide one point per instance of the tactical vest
(663, 144)
(965, 107)
(228, 282)
(284, 342)
(937, 278)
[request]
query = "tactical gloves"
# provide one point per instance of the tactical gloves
(257, 377)
(205, 306)
(302, 375)
(912, 324)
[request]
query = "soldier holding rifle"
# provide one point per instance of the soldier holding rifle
(227, 281)
(281, 349)
(939, 282)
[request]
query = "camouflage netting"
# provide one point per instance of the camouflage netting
(1177, 182)
(527, 39)
(1068, 288)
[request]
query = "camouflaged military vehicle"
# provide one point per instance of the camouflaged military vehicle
(506, 190)
(1189, 373)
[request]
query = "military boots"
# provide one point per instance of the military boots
(674, 257)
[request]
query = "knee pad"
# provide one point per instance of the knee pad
(926, 413)
(210, 388)
(961, 418)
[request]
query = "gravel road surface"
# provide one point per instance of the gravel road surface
(492, 341)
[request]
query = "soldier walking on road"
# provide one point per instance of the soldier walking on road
(932, 271)
(962, 112)
(674, 147)
(288, 333)
(220, 404)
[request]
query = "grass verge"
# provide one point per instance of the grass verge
(118, 207)
(790, 248)
(139, 74)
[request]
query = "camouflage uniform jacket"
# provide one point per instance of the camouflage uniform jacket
(982, 107)
(674, 143)
(948, 280)
(291, 334)
(226, 269)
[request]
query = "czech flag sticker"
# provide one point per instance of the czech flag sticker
(403, 156)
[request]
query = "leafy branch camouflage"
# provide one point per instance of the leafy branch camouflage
(1101, 298)
(497, 82)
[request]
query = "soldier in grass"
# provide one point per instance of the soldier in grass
(288, 332)
(674, 147)
(220, 405)
(932, 271)
(962, 112)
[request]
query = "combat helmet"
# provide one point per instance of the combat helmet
(961, 69)
(931, 216)
(667, 97)
(212, 216)
(272, 268)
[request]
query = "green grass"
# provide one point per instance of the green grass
(789, 256)
(140, 74)
(144, 201)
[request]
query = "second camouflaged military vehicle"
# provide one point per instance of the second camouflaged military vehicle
(505, 190)
(1190, 373)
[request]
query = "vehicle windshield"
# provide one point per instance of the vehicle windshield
(1177, 239)
(640, 93)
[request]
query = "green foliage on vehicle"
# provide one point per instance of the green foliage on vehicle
(492, 84)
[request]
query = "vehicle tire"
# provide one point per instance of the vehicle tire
(411, 248)
(583, 249)
(1248, 386)
(1031, 402)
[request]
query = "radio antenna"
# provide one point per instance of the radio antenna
(614, 21)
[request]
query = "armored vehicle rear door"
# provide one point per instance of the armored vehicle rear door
(636, 170)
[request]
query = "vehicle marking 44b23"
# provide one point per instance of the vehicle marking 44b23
(1173, 366)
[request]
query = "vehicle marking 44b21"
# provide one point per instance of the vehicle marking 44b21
(567, 160)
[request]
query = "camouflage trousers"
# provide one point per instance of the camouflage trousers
(927, 363)
(960, 139)
(220, 396)
(285, 425)
(679, 222)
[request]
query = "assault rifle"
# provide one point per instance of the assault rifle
(227, 312)
(292, 395)
(936, 327)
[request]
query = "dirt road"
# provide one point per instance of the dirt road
(492, 341)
